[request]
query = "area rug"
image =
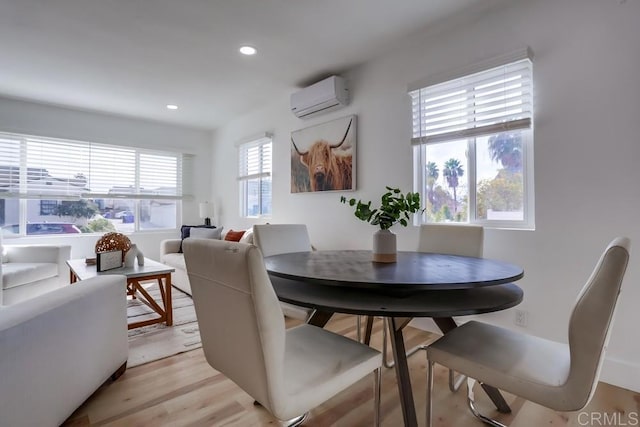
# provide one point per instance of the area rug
(158, 341)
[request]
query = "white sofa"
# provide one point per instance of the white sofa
(170, 255)
(57, 349)
(31, 270)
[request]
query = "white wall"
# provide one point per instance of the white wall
(44, 120)
(587, 149)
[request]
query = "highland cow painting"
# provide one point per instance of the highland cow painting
(323, 157)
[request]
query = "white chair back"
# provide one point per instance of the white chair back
(276, 239)
(241, 323)
(591, 320)
(244, 337)
(452, 239)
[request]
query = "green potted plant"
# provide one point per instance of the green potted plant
(395, 207)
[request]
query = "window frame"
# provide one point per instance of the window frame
(422, 141)
(20, 185)
(48, 207)
(263, 172)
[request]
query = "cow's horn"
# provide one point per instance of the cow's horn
(344, 137)
(296, 148)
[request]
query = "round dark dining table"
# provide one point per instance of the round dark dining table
(419, 284)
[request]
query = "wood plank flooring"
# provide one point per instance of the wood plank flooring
(185, 391)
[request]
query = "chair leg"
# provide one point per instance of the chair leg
(118, 373)
(472, 406)
(429, 391)
(359, 327)
(294, 422)
(391, 363)
(376, 396)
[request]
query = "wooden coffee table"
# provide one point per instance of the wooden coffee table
(151, 270)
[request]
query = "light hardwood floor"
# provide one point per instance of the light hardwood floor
(185, 391)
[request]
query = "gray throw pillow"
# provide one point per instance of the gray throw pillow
(206, 233)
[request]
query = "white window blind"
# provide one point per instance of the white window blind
(483, 103)
(9, 165)
(160, 175)
(47, 168)
(254, 176)
(112, 171)
(56, 168)
(255, 159)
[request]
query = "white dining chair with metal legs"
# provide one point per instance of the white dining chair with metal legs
(450, 239)
(559, 376)
(276, 239)
(288, 371)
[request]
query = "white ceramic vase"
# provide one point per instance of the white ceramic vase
(130, 256)
(384, 246)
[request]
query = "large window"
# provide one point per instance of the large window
(254, 177)
(54, 186)
(473, 146)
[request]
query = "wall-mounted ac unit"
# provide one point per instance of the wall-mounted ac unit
(326, 95)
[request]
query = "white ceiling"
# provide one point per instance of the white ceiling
(132, 57)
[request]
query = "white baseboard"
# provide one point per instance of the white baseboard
(621, 374)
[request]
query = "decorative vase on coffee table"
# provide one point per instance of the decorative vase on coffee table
(384, 246)
(130, 256)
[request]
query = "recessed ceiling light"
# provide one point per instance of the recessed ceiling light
(248, 50)
(172, 107)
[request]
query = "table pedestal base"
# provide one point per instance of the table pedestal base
(398, 310)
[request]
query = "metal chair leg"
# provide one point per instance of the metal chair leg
(454, 384)
(377, 380)
(472, 406)
(429, 391)
(294, 422)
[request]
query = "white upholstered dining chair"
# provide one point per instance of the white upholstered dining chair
(450, 239)
(556, 375)
(288, 371)
(276, 239)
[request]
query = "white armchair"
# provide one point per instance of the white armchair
(31, 270)
(57, 349)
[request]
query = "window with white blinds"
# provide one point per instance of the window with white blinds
(472, 138)
(254, 177)
(483, 103)
(95, 181)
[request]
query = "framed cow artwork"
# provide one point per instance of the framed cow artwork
(323, 157)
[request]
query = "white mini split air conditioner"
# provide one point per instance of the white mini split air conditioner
(326, 95)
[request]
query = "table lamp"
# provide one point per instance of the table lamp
(206, 212)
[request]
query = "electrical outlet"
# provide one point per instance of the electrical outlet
(522, 318)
